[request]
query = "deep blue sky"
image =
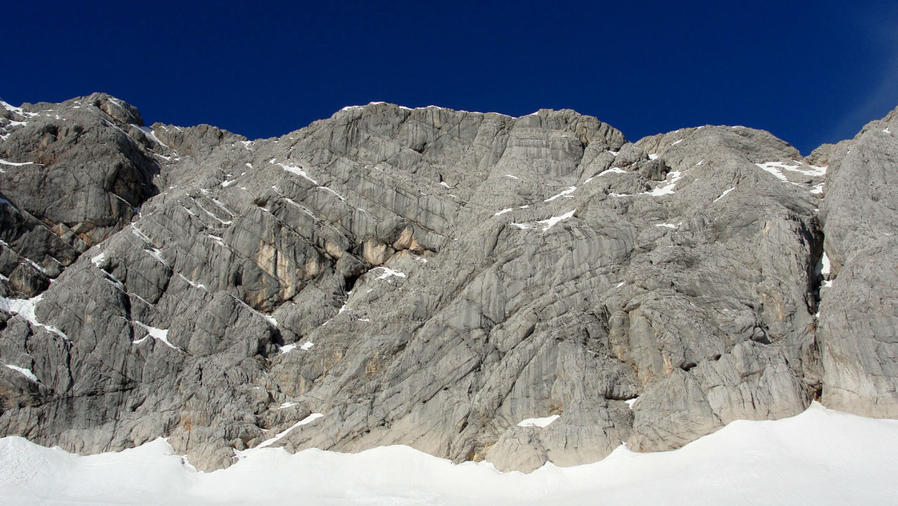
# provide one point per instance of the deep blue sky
(809, 73)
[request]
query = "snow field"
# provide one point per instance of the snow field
(818, 457)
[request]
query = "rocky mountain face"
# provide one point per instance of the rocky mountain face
(477, 286)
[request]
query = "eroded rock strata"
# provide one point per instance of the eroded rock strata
(435, 278)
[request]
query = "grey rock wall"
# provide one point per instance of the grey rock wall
(433, 278)
(859, 311)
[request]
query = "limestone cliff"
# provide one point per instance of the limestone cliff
(433, 278)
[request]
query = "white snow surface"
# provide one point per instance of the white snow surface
(305, 421)
(17, 164)
(10, 107)
(155, 333)
(191, 282)
(612, 170)
(724, 194)
(387, 272)
(287, 348)
(24, 372)
(776, 169)
(554, 220)
(25, 309)
(825, 265)
(217, 240)
(332, 192)
(819, 457)
(152, 135)
(140, 235)
(150, 249)
(541, 422)
(564, 193)
(816, 170)
(293, 170)
(98, 259)
(667, 189)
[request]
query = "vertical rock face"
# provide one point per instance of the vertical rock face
(859, 311)
(477, 286)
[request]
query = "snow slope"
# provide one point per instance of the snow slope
(818, 457)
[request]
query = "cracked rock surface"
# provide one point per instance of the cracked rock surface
(442, 279)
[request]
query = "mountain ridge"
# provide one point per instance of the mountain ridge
(432, 277)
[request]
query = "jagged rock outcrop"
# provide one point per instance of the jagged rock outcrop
(77, 178)
(434, 278)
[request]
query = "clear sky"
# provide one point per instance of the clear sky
(810, 72)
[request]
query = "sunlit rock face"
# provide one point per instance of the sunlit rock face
(434, 278)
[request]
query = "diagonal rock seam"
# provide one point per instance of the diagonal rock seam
(477, 286)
